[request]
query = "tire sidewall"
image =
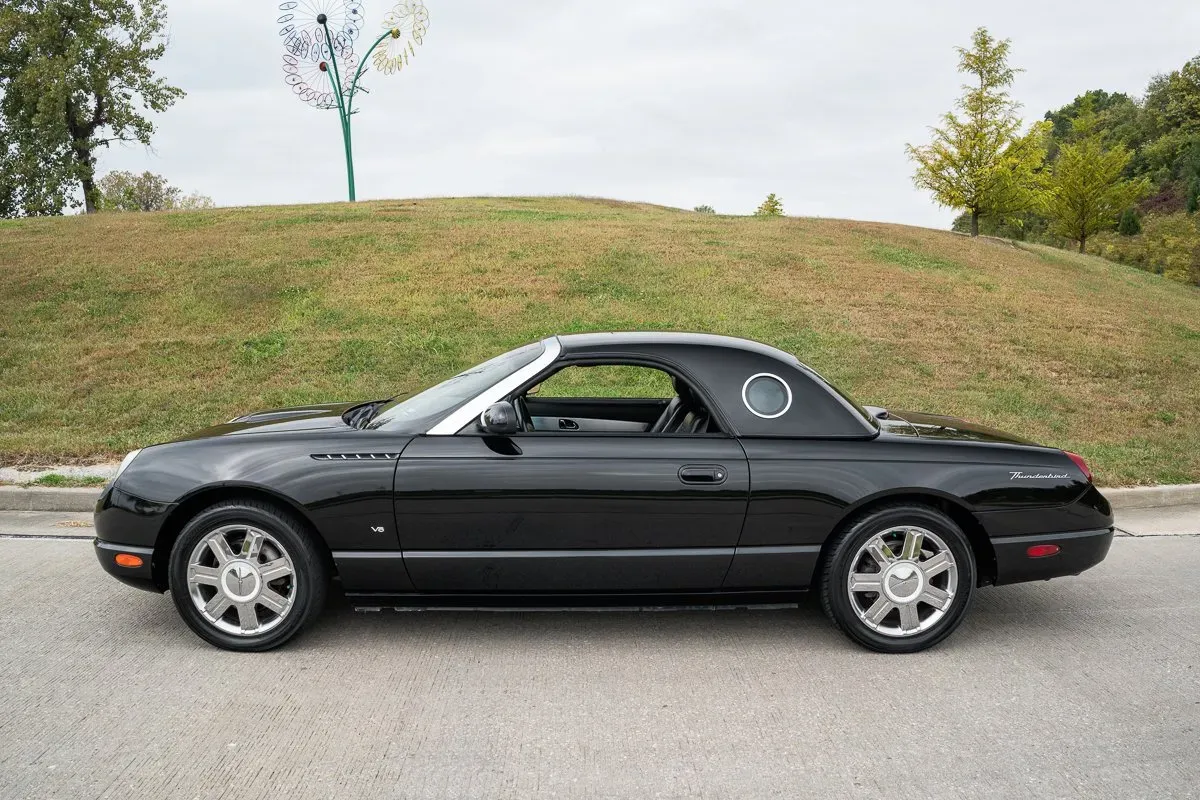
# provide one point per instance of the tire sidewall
(310, 574)
(837, 599)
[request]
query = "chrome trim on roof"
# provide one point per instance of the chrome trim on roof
(471, 410)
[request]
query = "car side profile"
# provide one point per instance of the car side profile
(644, 469)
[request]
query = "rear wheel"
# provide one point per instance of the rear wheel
(899, 579)
(247, 576)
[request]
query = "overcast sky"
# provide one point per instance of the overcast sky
(674, 102)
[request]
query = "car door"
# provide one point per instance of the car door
(570, 512)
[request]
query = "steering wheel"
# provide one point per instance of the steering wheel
(523, 413)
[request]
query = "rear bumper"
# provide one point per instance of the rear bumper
(140, 577)
(1078, 551)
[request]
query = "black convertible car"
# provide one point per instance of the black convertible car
(714, 471)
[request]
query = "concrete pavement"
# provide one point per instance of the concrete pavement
(1080, 687)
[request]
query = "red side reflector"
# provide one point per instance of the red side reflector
(1042, 550)
(127, 560)
(1079, 462)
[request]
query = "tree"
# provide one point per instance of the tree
(977, 162)
(771, 207)
(1130, 224)
(76, 75)
(704, 210)
(124, 191)
(1085, 191)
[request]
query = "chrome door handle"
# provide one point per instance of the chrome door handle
(568, 425)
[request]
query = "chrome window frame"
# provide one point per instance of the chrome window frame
(456, 420)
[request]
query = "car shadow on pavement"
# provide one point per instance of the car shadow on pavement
(1033, 611)
(994, 613)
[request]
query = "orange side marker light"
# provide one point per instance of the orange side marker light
(128, 560)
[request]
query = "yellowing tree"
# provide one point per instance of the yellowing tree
(1085, 192)
(771, 207)
(978, 161)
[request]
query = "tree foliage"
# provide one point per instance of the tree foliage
(705, 209)
(1130, 224)
(75, 75)
(124, 191)
(978, 160)
(771, 207)
(1086, 192)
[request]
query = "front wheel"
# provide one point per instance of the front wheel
(898, 579)
(246, 576)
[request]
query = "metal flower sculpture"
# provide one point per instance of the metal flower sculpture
(406, 25)
(319, 57)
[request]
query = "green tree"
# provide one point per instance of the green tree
(76, 75)
(771, 207)
(704, 210)
(124, 191)
(1086, 191)
(1130, 224)
(978, 161)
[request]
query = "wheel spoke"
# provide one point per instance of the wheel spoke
(247, 619)
(252, 545)
(878, 610)
(220, 549)
(271, 600)
(274, 570)
(935, 597)
(207, 576)
(912, 545)
(936, 565)
(217, 606)
(909, 621)
(866, 582)
(879, 551)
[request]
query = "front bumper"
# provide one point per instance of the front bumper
(1078, 551)
(140, 577)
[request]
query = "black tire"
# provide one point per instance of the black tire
(844, 552)
(310, 572)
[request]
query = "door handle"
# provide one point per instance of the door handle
(711, 474)
(568, 425)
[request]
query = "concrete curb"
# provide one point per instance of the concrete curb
(40, 498)
(1183, 494)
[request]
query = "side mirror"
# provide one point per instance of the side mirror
(500, 419)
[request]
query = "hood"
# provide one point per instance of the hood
(281, 420)
(936, 426)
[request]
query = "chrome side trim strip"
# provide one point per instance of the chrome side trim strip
(471, 410)
(656, 552)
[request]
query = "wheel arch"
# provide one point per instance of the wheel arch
(199, 499)
(951, 506)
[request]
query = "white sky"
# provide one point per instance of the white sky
(664, 101)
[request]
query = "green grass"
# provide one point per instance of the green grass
(67, 481)
(118, 331)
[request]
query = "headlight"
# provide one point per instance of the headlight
(125, 462)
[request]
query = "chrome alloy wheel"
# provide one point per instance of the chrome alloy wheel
(902, 581)
(241, 580)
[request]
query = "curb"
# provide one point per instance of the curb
(1154, 496)
(39, 498)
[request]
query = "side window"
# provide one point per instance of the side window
(608, 381)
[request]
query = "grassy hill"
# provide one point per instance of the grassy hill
(122, 330)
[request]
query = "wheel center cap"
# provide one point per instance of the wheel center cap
(241, 581)
(903, 582)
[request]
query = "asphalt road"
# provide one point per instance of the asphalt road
(1082, 687)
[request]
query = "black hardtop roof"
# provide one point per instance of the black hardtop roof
(574, 342)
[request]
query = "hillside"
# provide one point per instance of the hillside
(123, 330)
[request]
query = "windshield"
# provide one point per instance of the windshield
(416, 413)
